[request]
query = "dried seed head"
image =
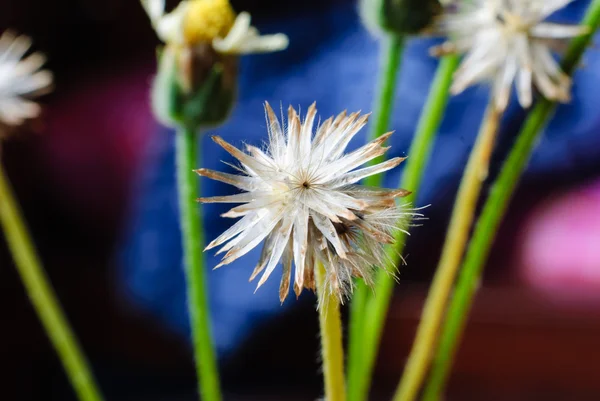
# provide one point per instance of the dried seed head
(302, 199)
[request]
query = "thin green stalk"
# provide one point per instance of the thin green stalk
(390, 65)
(42, 296)
(332, 350)
(420, 150)
(462, 218)
(492, 214)
(193, 240)
(391, 58)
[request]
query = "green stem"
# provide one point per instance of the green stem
(332, 350)
(420, 150)
(193, 240)
(42, 296)
(463, 215)
(390, 65)
(491, 216)
(391, 57)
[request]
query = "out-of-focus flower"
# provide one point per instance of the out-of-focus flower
(196, 22)
(568, 224)
(303, 200)
(20, 78)
(507, 41)
(196, 81)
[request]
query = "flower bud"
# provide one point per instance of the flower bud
(399, 17)
(194, 86)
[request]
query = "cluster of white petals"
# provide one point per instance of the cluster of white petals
(507, 41)
(302, 199)
(20, 78)
(242, 38)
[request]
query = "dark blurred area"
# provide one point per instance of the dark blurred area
(75, 172)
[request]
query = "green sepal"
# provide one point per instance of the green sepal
(211, 104)
(399, 17)
(206, 103)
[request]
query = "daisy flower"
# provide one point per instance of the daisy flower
(507, 41)
(195, 22)
(302, 198)
(20, 78)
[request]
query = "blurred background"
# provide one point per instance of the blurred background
(95, 178)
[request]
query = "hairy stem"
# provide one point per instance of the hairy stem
(42, 296)
(193, 240)
(332, 351)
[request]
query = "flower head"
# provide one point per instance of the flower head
(197, 74)
(19, 78)
(507, 41)
(301, 197)
(195, 22)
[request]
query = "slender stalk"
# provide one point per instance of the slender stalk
(332, 350)
(42, 296)
(452, 253)
(391, 57)
(420, 150)
(390, 65)
(193, 240)
(491, 216)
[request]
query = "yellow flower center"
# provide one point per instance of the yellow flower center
(206, 20)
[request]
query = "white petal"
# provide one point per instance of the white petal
(300, 244)
(558, 31)
(306, 134)
(293, 133)
(277, 143)
(249, 239)
(355, 159)
(259, 203)
(281, 241)
(154, 8)
(252, 165)
(318, 203)
(36, 83)
(16, 49)
(328, 230)
(237, 198)
(548, 7)
(355, 176)
(236, 35)
(347, 133)
(243, 224)
(169, 27)
(239, 181)
(244, 39)
(504, 81)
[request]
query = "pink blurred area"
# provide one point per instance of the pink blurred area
(560, 245)
(95, 135)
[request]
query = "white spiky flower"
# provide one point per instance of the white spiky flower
(198, 21)
(20, 78)
(507, 41)
(301, 197)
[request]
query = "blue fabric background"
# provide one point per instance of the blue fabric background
(333, 60)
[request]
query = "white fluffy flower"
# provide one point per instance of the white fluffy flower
(507, 41)
(301, 197)
(20, 77)
(211, 20)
